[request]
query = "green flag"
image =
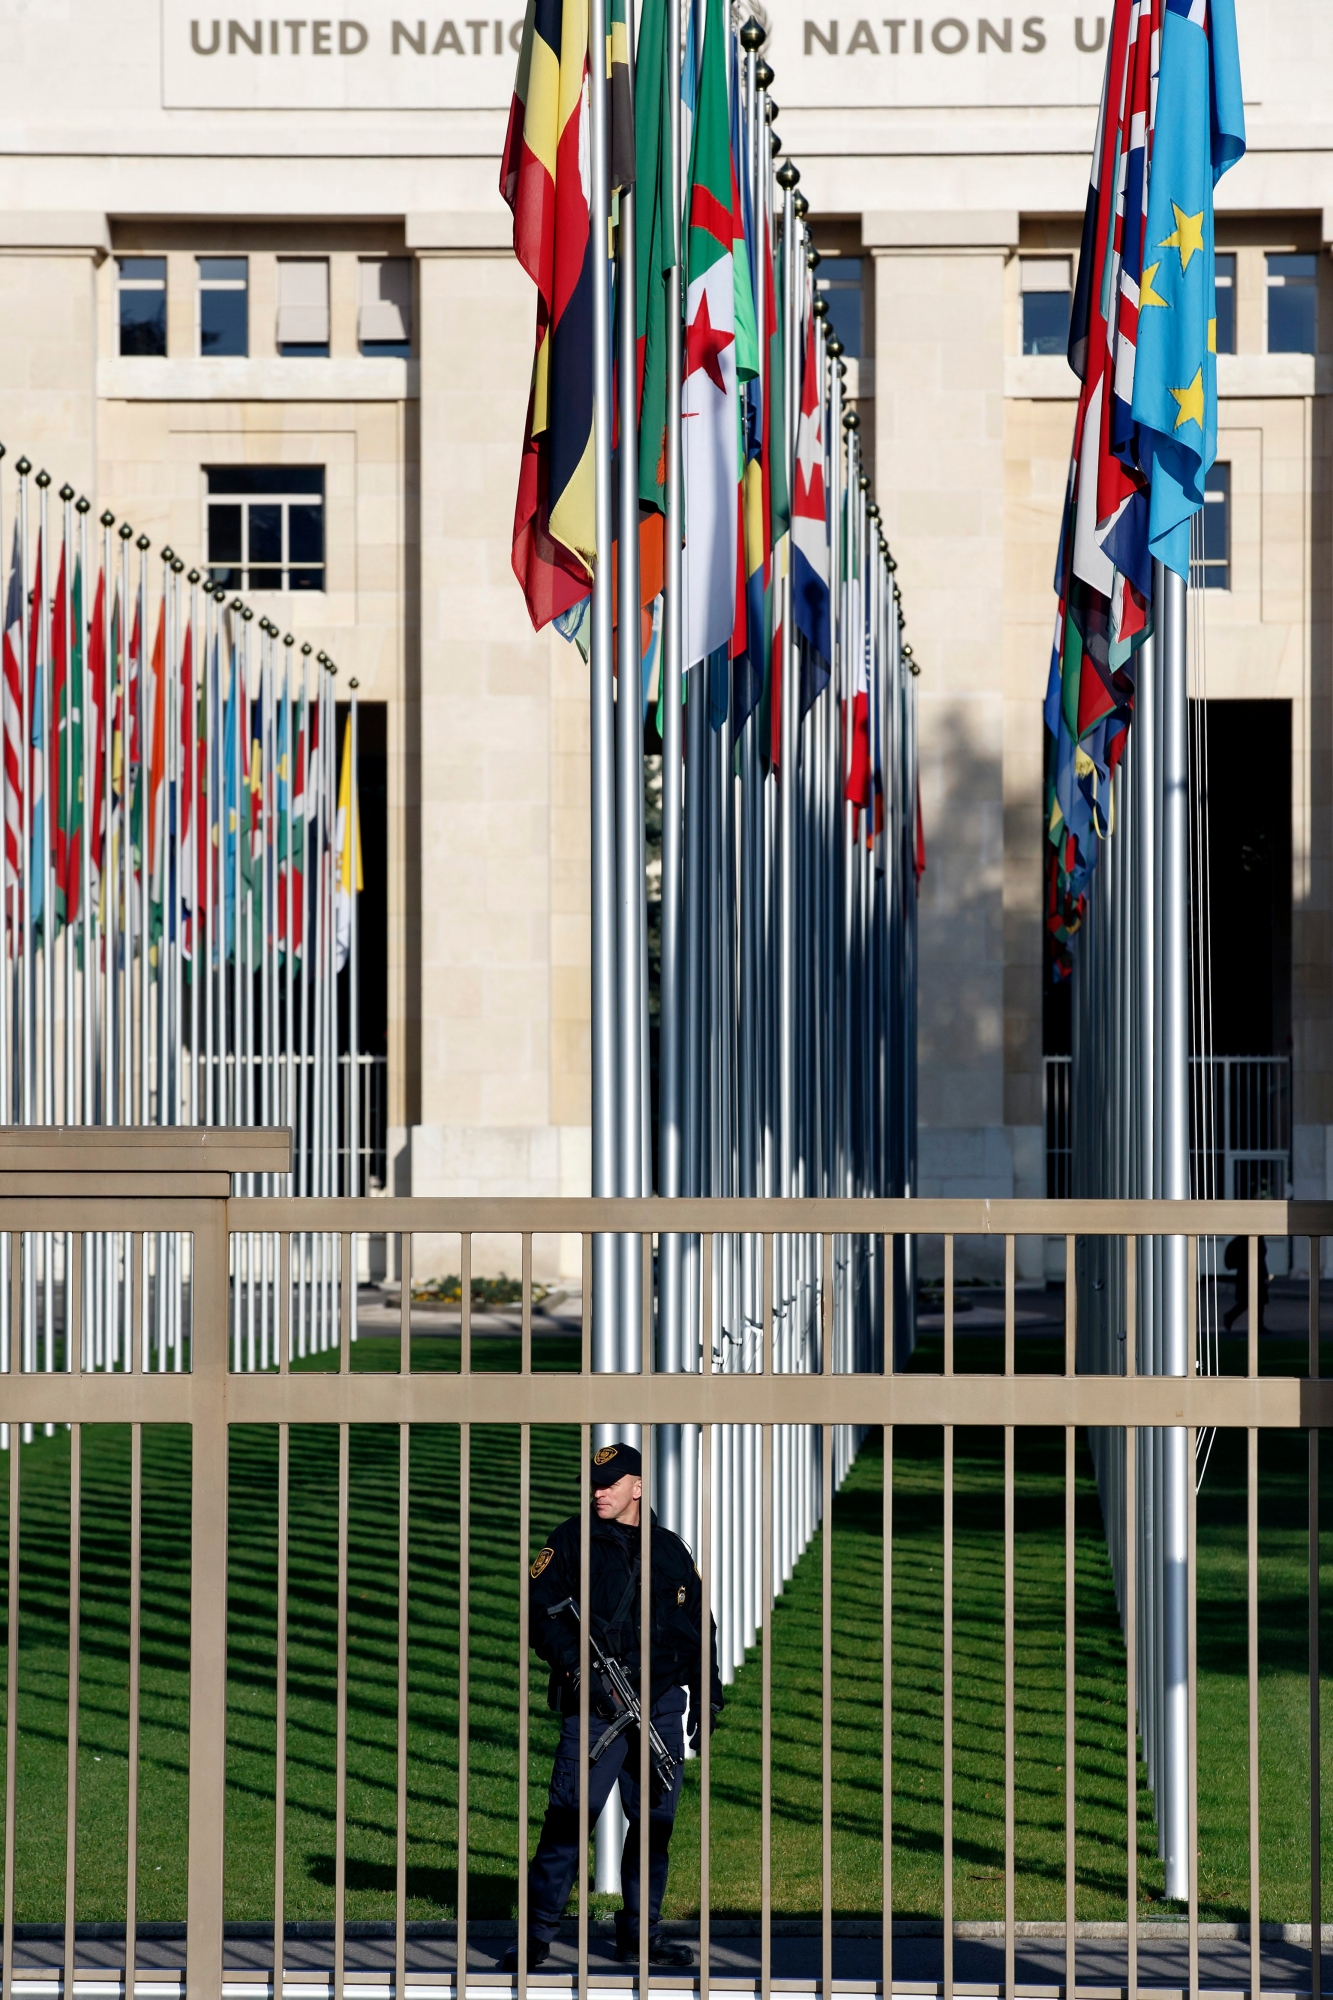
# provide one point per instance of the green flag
(655, 240)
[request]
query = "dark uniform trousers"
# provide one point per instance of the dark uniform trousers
(556, 1862)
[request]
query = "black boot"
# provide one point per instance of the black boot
(661, 1951)
(538, 1953)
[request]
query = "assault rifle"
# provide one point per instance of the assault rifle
(620, 1691)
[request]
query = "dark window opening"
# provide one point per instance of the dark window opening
(268, 534)
(141, 291)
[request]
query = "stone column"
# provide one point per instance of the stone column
(939, 476)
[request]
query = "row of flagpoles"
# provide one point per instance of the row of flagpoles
(694, 513)
(1117, 713)
(179, 905)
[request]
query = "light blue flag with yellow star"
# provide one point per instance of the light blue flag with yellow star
(1199, 132)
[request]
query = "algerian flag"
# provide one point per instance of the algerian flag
(347, 854)
(709, 398)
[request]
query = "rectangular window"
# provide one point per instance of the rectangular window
(266, 526)
(303, 305)
(1291, 292)
(1045, 283)
(839, 279)
(1212, 551)
(386, 305)
(141, 294)
(224, 305)
(1226, 303)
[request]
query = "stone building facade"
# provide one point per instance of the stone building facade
(344, 172)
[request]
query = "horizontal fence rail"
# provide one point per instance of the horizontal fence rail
(746, 1450)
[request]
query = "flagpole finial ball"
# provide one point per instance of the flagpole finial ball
(764, 75)
(67, 492)
(23, 468)
(83, 505)
(306, 650)
(108, 519)
(864, 482)
(2, 451)
(177, 566)
(774, 145)
(801, 205)
(770, 110)
(851, 420)
(168, 555)
(125, 531)
(834, 344)
(246, 613)
(753, 36)
(143, 545)
(193, 577)
(820, 306)
(289, 638)
(354, 683)
(323, 658)
(872, 511)
(788, 175)
(43, 480)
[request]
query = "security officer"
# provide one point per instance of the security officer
(676, 1599)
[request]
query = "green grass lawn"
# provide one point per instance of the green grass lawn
(495, 1569)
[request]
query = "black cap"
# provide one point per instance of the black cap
(613, 1462)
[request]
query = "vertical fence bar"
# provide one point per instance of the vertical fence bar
(347, 1271)
(12, 1660)
(525, 1334)
(1071, 1685)
(585, 1546)
(1009, 1309)
(948, 1305)
(766, 1683)
(1192, 1700)
(404, 1583)
(284, 1311)
(947, 1690)
(705, 1721)
(208, 1604)
(340, 1774)
(1316, 1862)
(645, 1681)
(465, 1308)
(464, 1622)
(132, 1749)
(404, 1314)
(886, 1641)
(72, 1737)
(1009, 1986)
(1131, 1692)
(280, 1703)
(1251, 1637)
(524, 1540)
(826, 1630)
(1071, 1694)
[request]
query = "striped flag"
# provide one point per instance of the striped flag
(347, 853)
(544, 179)
(13, 716)
(809, 515)
(708, 396)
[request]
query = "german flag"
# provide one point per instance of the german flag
(540, 178)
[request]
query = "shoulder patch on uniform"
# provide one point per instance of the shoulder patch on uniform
(544, 1556)
(680, 1595)
(608, 1451)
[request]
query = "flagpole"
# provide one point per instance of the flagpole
(128, 695)
(671, 1356)
(1173, 1126)
(602, 719)
(353, 838)
(6, 928)
(48, 1093)
(629, 801)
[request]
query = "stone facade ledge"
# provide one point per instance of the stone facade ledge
(57, 230)
(138, 378)
(940, 229)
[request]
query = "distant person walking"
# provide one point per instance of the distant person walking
(1236, 1257)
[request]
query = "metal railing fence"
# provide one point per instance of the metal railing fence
(1240, 1127)
(208, 1394)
